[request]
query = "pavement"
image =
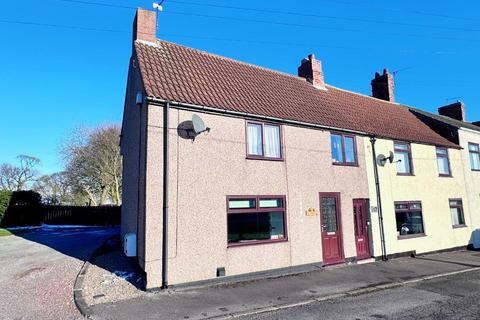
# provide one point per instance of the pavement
(38, 269)
(269, 296)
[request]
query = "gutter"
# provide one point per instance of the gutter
(379, 200)
(188, 106)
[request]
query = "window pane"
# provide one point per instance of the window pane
(247, 227)
(442, 151)
(457, 216)
(241, 203)
(337, 155)
(473, 147)
(401, 206)
(272, 141)
(475, 161)
(349, 150)
(403, 166)
(401, 146)
(271, 203)
(409, 222)
(254, 136)
(443, 167)
(455, 202)
(415, 205)
(329, 214)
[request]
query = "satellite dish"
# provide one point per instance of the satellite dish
(198, 126)
(390, 157)
(382, 159)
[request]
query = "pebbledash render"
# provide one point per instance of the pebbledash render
(292, 175)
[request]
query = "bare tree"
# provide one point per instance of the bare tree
(54, 189)
(93, 164)
(16, 178)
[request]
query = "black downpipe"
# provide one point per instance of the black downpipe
(379, 200)
(166, 110)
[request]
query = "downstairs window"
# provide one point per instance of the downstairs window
(409, 218)
(255, 219)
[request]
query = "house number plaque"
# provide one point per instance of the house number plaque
(311, 212)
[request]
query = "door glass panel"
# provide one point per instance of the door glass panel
(329, 214)
(355, 219)
(360, 221)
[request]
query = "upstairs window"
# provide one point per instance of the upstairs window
(474, 152)
(343, 149)
(409, 218)
(443, 162)
(263, 141)
(404, 158)
(456, 212)
(255, 219)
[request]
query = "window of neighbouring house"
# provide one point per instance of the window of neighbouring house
(408, 216)
(343, 149)
(255, 219)
(403, 157)
(443, 162)
(456, 212)
(263, 141)
(474, 151)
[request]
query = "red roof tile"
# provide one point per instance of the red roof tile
(177, 73)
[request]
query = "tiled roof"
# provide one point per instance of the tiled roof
(453, 122)
(177, 73)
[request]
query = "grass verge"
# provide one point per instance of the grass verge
(4, 233)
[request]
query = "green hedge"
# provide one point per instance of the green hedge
(5, 197)
(23, 209)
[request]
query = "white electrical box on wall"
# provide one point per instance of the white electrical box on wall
(130, 244)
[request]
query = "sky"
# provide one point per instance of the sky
(64, 63)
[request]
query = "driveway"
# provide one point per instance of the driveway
(38, 270)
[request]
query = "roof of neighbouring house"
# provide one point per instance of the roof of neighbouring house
(452, 122)
(178, 73)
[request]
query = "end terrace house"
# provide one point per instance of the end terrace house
(233, 169)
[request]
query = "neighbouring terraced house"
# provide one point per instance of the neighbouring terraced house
(293, 173)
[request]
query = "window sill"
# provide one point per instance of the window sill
(341, 164)
(405, 174)
(459, 226)
(445, 176)
(255, 243)
(263, 158)
(477, 170)
(411, 236)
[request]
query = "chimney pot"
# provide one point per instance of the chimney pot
(383, 86)
(311, 69)
(455, 111)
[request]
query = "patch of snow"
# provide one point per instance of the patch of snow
(66, 226)
(23, 228)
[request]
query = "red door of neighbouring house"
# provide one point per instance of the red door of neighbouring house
(331, 228)
(361, 230)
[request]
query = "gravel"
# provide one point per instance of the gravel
(112, 277)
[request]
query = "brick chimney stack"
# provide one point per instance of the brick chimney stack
(383, 86)
(455, 111)
(311, 69)
(145, 25)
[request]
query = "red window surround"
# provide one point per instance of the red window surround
(404, 147)
(256, 209)
(442, 153)
(262, 156)
(344, 137)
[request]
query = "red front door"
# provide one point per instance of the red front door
(331, 228)
(361, 230)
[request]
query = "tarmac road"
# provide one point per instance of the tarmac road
(452, 297)
(38, 270)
